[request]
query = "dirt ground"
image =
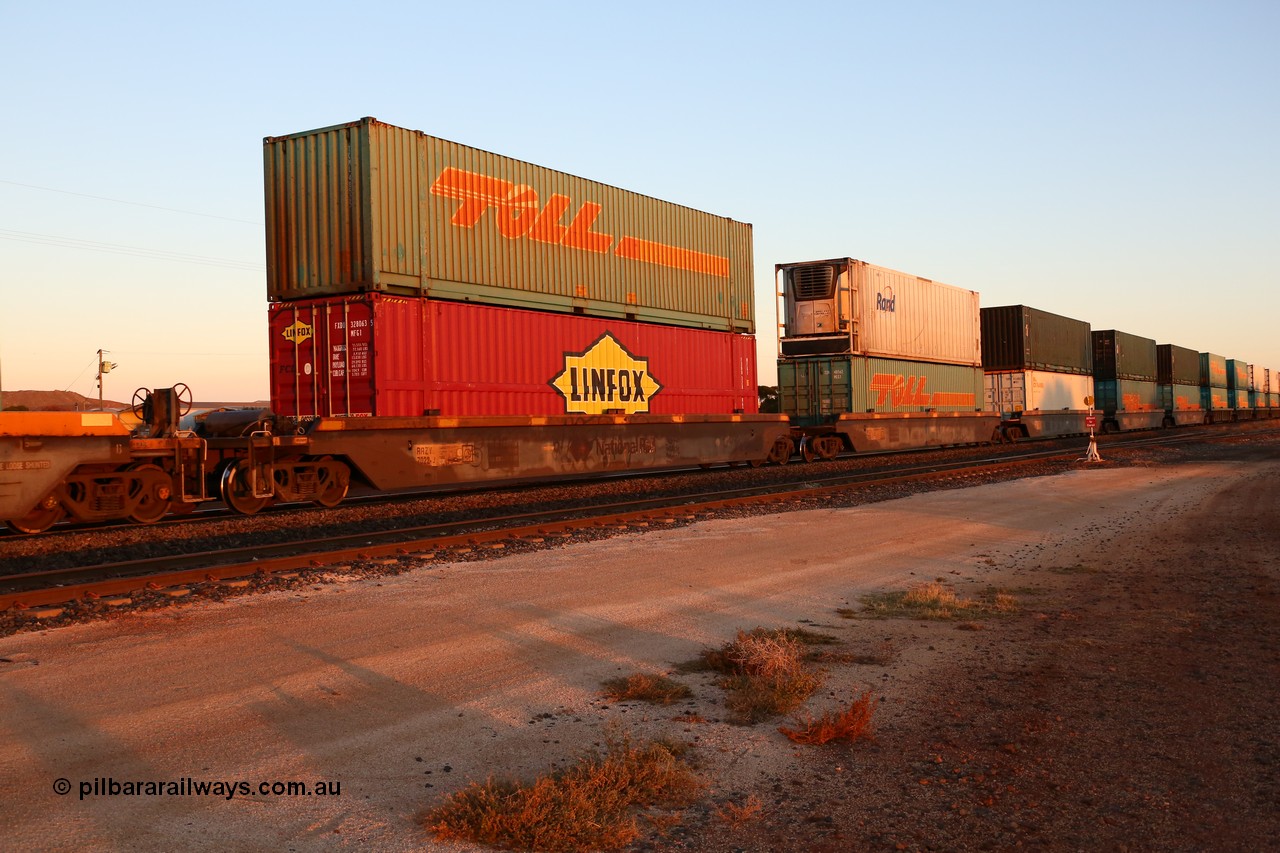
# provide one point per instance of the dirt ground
(1129, 703)
(1133, 703)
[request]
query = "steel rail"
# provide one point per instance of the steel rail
(35, 589)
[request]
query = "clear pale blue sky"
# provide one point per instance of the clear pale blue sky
(1111, 161)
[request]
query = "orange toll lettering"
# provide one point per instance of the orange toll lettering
(519, 214)
(547, 229)
(580, 235)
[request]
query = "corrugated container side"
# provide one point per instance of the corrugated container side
(1127, 395)
(408, 356)
(1036, 390)
(1017, 337)
(1213, 372)
(1120, 355)
(1212, 397)
(369, 207)
(820, 389)
(1180, 397)
(1237, 375)
(1177, 365)
(871, 310)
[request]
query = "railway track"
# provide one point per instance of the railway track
(416, 543)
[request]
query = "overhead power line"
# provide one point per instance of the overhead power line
(133, 203)
(133, 251)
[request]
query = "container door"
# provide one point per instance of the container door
(814, 391)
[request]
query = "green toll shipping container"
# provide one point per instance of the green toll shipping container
(819, 389)
(370, 207)
(1016, 337)
(1237, 384)
(1213, 372)
(1120, 355)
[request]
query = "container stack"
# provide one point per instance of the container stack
(860, 338)
(1213, 382)
(412, 276)
(1238, 386)
(1260, 386)
(1035, 361)
(1178, 375)
(1124, 379)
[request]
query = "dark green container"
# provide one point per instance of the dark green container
(1120, 355)
(1177, 365)
(1016, 337)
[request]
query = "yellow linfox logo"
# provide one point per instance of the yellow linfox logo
(605, 378)
(298, 332)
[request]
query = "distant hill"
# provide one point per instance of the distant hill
(55, 401)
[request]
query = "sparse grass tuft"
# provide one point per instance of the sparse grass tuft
(764, 672)
(644, 687)
(739, 815)
(592, 805)
(849, 725)
(934, 600)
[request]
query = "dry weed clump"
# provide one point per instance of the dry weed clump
(592, 805)
(934, 600)
(644, 687)
(764, 672)
(849, 725)
(738, 815)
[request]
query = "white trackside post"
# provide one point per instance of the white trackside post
(1092, 454)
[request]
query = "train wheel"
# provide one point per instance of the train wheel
(46, 514)
(335, 479)
(829, 447)
(780, 453)
(807, 451)
(153, 490)
(236, 491)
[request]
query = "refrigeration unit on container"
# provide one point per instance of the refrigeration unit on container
(1120, 355)
(1017, 337)
(370, 207)
(378, 355)
(846, 306)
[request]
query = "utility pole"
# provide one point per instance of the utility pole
(103, 367)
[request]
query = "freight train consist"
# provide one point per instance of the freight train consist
(441, 316)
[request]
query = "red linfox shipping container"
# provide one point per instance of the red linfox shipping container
(376, 355)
